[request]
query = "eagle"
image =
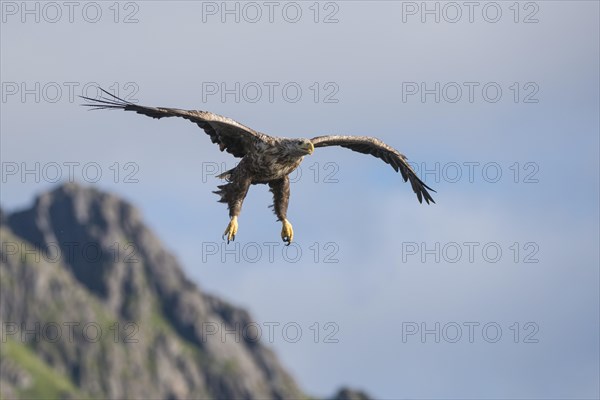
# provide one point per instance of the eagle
(264, 159)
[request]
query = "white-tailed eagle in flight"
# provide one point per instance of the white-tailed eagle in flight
(266, 159)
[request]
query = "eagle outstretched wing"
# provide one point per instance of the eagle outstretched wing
(375, 147)
(230, 135)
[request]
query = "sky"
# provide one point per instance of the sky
(493, 292)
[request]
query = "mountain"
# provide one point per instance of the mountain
(93, 306)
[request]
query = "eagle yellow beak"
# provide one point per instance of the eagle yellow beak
(309, 147)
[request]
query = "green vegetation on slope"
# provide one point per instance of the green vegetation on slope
(46, 382)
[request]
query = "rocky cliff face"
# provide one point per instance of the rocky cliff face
(93, 306)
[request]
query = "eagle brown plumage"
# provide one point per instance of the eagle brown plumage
(265, 159)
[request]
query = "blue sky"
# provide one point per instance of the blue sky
(543, 207)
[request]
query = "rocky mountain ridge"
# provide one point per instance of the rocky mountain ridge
(93, 306)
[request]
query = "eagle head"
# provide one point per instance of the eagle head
(301, 147)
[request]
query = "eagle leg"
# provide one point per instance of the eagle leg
(281, 196)
(231, 229)
(233, 193)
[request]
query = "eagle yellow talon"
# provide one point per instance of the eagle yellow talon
(287, 233)
(231, 230)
